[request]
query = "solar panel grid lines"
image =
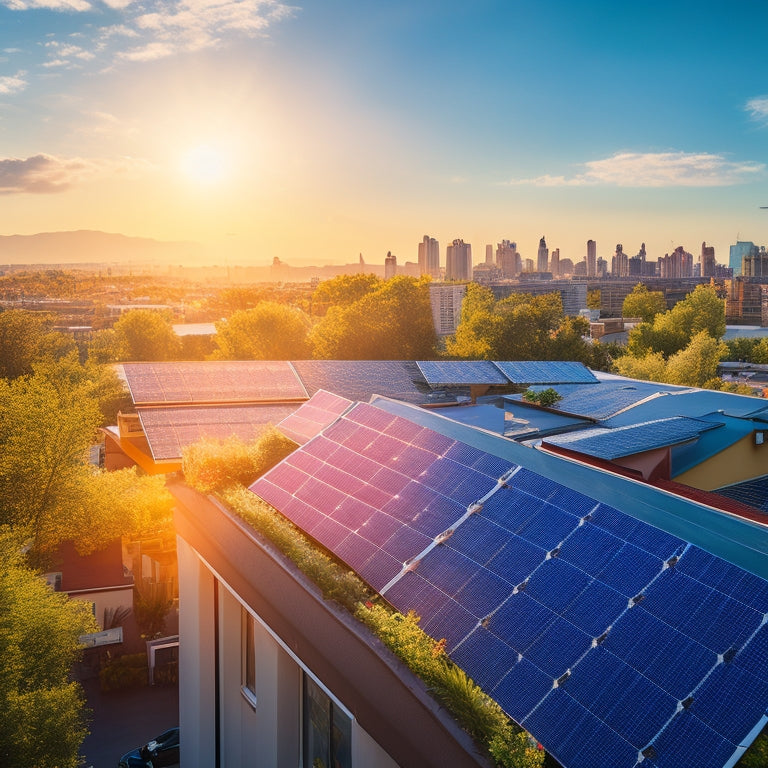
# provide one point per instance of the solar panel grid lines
(546, 372)
(460, 372)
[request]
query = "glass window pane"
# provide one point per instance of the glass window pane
(316, 726)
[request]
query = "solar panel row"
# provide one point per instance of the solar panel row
(588, 626)
(321, 410)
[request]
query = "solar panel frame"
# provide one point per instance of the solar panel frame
(545, 372)
(446, 373)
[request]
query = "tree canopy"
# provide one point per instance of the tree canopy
(139, 335)
(643, 303)
(671, 331)
(393, 322)
(342, 291)
(521, 327)
(27, 338)
(269, 331)
(42, 723)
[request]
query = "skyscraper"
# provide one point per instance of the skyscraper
(591, 258)
(458, 261)
(554, 263)
(707, 260)
(390, 265)
(489, 254)
(508, 259)
(429, 257)
(620, 262)
(542, 261)
(737, 253)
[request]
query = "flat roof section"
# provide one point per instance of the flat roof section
(213, 382)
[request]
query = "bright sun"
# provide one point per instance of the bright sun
(205, 164)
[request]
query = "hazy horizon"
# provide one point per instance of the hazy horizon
(315, 133)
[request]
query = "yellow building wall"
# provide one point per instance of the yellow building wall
(741, 461)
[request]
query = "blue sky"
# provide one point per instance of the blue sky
(319, 131)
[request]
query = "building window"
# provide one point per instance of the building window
(327, 731)
(249, 657)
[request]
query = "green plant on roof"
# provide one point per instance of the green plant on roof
(547, 398)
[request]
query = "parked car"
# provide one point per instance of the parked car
(161, 752)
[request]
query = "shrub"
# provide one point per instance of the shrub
(129, 671)
(211, 465)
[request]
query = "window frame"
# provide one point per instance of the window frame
(248, 658)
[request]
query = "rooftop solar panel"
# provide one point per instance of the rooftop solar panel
(442, 373)
(546, 372)
(751, 492)
(321, 410)
(609, 639)
(170, 430)
(624, 441)
(360, 379)
(213, 382)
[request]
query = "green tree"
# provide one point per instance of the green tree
(695, 365)
(43, 722)
(342, 291)
(594, 298)
(48, 490)
(27, 338)
(643, 303)
(269, 331)
(139, 335)
(650, 367)
(672, 331)
(394, 322)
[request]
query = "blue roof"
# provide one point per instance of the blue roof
(546, 372)
(616, 443)
(754, 493)
(460, 372)
(488, 417)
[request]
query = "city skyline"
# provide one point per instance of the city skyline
(317, 132)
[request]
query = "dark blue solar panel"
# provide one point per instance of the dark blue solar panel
(733, 715)
(487, 655)
(558, 647)
(595, 608)
(412, 593)
(639, 710)
(451, 623)
(548, 527)
(546, 372)
(448, 568)
(630, 571)
(517, 560)
(457, 372)
(483, 593)
(597, 744)
(492, 466)
(380, 568)
(590, 548)
(754, 655)
(479, 539)
(613, 521)
(556, 584)
(687, 742)
(520, 621)
(521, 689)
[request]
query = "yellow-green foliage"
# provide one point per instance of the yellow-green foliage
(478, 714)
(211, 465)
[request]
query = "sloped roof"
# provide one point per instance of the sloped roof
(614, 621)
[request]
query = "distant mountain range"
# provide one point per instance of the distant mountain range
(87, 246)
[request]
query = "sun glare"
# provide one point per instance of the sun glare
(205, 164)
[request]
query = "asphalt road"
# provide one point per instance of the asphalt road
(124, 720)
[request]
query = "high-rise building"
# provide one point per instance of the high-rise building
(458, 261)
(429, 257)
(756, 263)
(542, 260)
(554, 263)
(707, 260)
(620, 262)
(390, 265)
(489, 254)
(737, 253)
(677, 264)
(591, 258)
(508, 259)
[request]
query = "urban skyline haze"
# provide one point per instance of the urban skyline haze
(316, 132)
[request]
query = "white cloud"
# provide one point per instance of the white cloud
(53, 5)
(45, 174)
(162, 28)
(13, 83)
(758, 109)
(655, 169)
